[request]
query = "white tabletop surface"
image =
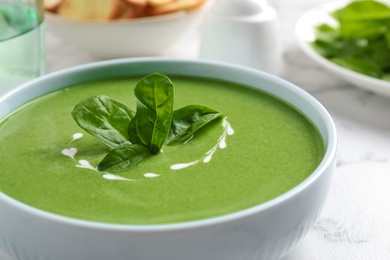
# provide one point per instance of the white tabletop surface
(355, 222)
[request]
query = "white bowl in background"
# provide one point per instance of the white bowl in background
(266, 231)
(305, 32)
(144, 36)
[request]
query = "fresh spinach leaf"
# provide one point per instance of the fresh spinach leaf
(189, 119)
(104, 118)
(150, 126)
(362, 19)
(365, 67)
(337, 48)
(327, 33)
(364, 10)
(361, 41)
(377, 51)
(136, 135)
(361, 29)
(387, 37)
(124, 157)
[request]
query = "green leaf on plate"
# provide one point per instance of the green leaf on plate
(387, 38)
(362, 19)
(361, 42)
(365, 67)
(365, 10)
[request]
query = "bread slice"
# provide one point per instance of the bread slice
(90, 9)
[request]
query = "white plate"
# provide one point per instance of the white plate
(306, 35)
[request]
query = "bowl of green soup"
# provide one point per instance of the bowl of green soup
(161, 158)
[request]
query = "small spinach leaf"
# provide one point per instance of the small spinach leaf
(362, 66)
(135, 136)
(189, 119)
(150, 126)
(387, 38)
(104, 118)
(124, 157)
(361, 29)
(361, 19)
(361, 41)
(365, 10)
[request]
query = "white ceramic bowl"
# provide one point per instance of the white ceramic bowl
(305, 32)
(146, 36)
(267, 231)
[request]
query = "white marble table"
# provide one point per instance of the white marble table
(355, 222)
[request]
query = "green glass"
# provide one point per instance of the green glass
(21, 42)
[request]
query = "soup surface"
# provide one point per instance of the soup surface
(263, 149)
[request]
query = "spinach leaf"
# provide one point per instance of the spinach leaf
(361, 29)
(187, 120)
(365, 67)
(150, 126)
(124, 157)
(136, 135)
(387, 38)
(104, 118)
(377, 51)
(361, 19)
(365, 10)
(327, 33)
(361, 41)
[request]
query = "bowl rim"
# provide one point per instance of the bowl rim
(327, 161)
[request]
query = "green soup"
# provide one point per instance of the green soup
(264, 149)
